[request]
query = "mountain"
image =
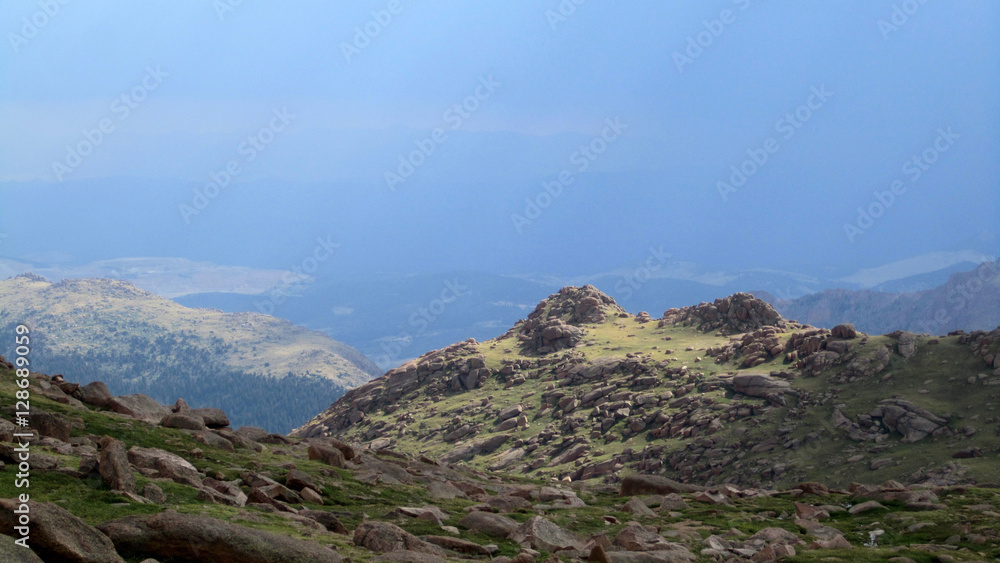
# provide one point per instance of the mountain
(116, 479)
(394, 318)
(968, 300)
(264, 371)
(722, 392)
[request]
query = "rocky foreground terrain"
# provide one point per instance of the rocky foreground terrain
(117, 479)
(628, 473)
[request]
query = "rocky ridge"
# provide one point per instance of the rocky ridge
(626, 397)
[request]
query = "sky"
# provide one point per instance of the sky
(567, 137)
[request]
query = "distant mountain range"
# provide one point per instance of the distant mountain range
(967, 301)
(264, 371)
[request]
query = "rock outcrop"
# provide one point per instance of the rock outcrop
(738, 313)
(199, 538)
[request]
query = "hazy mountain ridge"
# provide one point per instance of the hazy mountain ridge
(967, 301)
(265, 371)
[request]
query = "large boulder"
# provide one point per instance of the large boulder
(58, 535)
(95, 394)
(140, 407)
(213, 418)
(11, 552)
(906, 345)
(458, 545)
(165, 465)
(643, 538)
(183, 420)
(114, 467)
(298, 480)
(759, 385)
(327, 454)
(845, 331)
(408, 557)
(382, 537)
(51, 424)
(677, 555)
(913, 422)
(495, 525)
(633, 485)
(541, 534)
(327, 519)
(472, 448)
(199, 538)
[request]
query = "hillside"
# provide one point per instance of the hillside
(968, 300)
(263, 370)
(723, 392)
(115, 479)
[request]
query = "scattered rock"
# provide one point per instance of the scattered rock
(140, 407)
(327, 454)
(199, 538)
(11, 552)
(636, 506)
(328, 520)
(94, 394)
(633, 485)
(382, 537)
(213, 418)
(183, 420)
(165, 464)
(495, 525)
(114, 465)
(539, 533)
(845, 331)
(58, 535)
(154, 493)
(866, 506)
(455, 544)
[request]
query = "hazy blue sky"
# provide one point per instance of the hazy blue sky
(896, 77)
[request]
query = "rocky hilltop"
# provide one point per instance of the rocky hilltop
(722, 392)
